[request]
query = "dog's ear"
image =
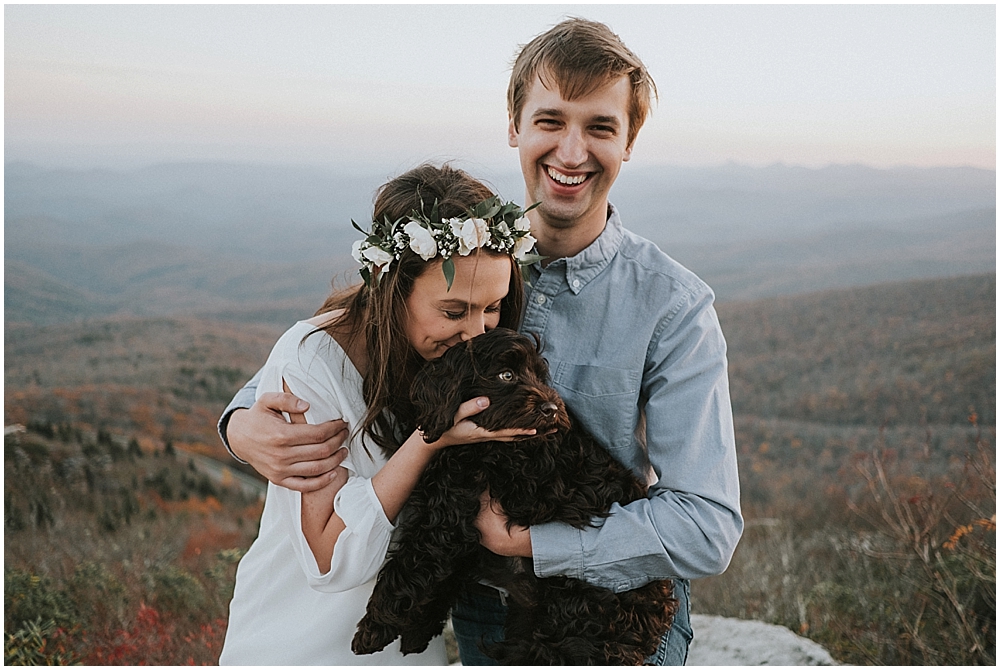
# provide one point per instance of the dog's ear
(436, 394)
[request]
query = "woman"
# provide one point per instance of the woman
(440, 266)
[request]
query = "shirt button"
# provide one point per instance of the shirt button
(576, 283)
(540, 299)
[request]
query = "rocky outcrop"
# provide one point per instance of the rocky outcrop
(724, 641)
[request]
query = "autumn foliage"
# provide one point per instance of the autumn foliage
(116, 555)
(865, 427)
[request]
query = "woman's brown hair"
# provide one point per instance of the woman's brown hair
(377, 315)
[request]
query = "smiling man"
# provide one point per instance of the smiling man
(632, 340)
(633, 344)
(571, 152)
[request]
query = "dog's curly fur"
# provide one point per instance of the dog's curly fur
(562, 474)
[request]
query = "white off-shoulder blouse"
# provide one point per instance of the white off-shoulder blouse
(284, 610)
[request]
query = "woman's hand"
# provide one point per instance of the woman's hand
(394, 482)
(464, 431)
(495, 533)
(301, 457)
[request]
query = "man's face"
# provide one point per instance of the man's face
(571, 151)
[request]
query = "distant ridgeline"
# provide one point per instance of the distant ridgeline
(255, 243)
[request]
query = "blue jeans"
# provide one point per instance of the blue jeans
(480, 616)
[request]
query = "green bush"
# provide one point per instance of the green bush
(912, 581)
(36, 643)
(98, 595)
(176, 590)
(222, 574)
(28, 597)
(13, 516)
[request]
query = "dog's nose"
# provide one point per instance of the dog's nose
(549, 408)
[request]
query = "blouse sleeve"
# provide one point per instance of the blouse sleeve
(361, 547)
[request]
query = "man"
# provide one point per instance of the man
(632, 340)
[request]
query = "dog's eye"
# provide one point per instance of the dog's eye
(506, 376)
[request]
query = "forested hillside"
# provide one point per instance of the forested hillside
(890, 354)
(866, 432)
(161, 378)
(116, 552)
(865, 424)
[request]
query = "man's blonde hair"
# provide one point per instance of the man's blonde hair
(581, 56)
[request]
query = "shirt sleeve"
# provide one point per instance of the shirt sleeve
(689, 525)
(361, 547)
(243, 399)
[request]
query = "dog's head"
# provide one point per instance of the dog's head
(502, 365)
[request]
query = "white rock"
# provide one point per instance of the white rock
(724, 641)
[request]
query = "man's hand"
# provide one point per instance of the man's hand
(298, 456)
(492, 526)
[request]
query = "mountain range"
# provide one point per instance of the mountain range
(262, 242)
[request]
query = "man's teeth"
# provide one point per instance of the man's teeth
(567, 180)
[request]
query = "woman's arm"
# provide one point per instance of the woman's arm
(320, 524)
(394, 482)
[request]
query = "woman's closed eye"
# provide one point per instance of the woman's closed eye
(458, 315)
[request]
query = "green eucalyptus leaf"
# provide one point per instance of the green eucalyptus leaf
(491, 212)
(449, 271)
(480, 208)
(531, 259)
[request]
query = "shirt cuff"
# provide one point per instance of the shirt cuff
(243, 399)
(354, 514)
(223, 427)
(557, 549)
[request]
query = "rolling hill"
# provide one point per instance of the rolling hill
(170, 240)
(46, 284)
(892, 355)
(823, 384)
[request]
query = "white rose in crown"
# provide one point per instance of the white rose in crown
(523, 246)
(471, 234)
(378, 257)
(522, 224)
(356, 250)
(421, 240)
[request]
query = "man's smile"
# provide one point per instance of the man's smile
(565, 179)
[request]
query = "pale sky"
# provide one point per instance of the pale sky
(397, 84)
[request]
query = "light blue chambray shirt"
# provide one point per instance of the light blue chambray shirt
(635, 349)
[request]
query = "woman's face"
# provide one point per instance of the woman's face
(438, 319)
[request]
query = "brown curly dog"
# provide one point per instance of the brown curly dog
(561, 474)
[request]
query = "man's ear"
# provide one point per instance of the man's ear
(511, 133)
(628, 152)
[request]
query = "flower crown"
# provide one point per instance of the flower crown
(491, 224)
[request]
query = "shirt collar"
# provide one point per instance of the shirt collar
(589, 263)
